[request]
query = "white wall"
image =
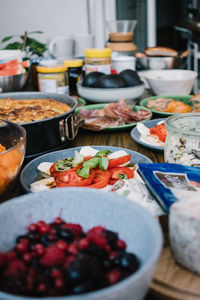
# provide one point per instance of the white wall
(53, 17)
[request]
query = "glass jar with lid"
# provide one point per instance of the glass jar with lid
(98, 59)
(182, 145)
(74, 73)
(53, 79)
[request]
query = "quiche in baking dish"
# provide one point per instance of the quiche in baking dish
(29, 110)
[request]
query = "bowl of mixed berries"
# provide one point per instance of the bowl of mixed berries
(76, 243)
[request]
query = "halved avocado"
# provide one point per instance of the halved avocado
(91, 78)
(131, 77)
(111, 81)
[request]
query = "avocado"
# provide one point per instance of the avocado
(131, 77)
(110, 81)
(91, 78)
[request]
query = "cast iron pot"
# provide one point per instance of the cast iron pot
(51, 133)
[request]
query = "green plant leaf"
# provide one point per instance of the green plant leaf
(13, 46)
(35, 32)
(7, 38)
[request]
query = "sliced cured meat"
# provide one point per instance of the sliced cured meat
(159, 104)
(113, 114)
(91, 113)
(97, 124)
(123, 111)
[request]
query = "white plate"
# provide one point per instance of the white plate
(101, 95)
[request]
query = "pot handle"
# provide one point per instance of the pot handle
(69, 127)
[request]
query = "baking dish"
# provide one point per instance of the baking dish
(52, 133)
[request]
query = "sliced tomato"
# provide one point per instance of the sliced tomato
(115, 162)
(71, 178)
(53, 170)
(101, 179)
(160, 131)
(120, 173)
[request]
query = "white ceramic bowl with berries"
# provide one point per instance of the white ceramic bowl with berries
(44, 252)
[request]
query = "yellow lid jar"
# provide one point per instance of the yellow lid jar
(53, 79)
(74, 73)
(98, 60)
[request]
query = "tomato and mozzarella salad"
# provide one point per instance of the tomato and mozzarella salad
(89, 167)
(155, 135)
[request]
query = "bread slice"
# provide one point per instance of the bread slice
(160, 51)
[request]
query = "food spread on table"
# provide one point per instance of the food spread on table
(29, 110)
(112, 114)
(88, 168)
(45, 258)
(155, 136)
(171, 105)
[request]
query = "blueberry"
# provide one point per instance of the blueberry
(20, 237)
(78, 270)
(34, 235)
(46, 240)
(84, 287)
(67, 234)
(112, 237)
(129, 261)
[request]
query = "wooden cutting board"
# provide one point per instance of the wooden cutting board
(171, 281)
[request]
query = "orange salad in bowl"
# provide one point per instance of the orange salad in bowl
(12, 151)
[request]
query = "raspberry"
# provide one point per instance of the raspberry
(10, 255)
(14, 267)
(27, 257)
(62, 245)
(113, 276)
(121, 245)
(59, 283)
(69, 259)
(41, 287)
(96, 235)
(83, 244)
(32, 227)
(58, 221)
(39, 249)
(75, 228)
(97, 230)
(56, 273)
(72, 249)
(23, 245)
(53, 256)
(44, 228)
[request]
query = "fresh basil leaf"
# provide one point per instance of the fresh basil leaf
(103, 164)
(65, 164)
(78, 159)
(122, 176)
(87, 165)
(84, 172)
(102, 153)
(92, 163)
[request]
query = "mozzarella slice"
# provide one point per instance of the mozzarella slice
(88, 151)
(43, 184)
(143, 130)
(118, 154)
(44, 167)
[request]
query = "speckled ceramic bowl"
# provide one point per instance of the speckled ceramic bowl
(89, 207)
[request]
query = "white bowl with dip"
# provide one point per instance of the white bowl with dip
(170, 82)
